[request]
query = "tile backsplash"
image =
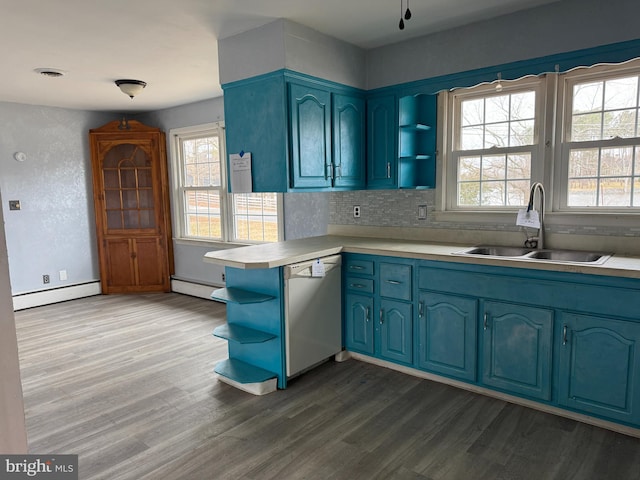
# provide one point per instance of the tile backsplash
(399, 208)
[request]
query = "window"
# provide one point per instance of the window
(206, 210)
(494, 146)
(601, 152)
(578, 133)
(255, 217)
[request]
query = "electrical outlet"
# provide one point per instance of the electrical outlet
(356, 211)
(45, 279)
(422, 212)
(224, 277)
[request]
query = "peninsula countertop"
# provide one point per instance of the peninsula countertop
(272, 255)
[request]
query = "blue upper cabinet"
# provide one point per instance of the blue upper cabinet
(303, 133)
(327, 138)
(310, 110)
(349, 141)
(417, 141)
(256, 121)
(382, 128)
(401, 141)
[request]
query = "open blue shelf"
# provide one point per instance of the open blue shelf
(238, 295)
(243, 372)
(240, 334)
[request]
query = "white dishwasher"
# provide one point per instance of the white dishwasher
(313, 312)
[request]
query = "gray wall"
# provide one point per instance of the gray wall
(554, 28)
(286, 44)
(55, 228)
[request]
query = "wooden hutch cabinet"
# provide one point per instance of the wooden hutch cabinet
(131, 199)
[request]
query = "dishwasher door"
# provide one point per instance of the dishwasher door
(313, 313)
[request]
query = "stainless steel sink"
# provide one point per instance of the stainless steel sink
(565, 256)
(570, 256)
(497, 251)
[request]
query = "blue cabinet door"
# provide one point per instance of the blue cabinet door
(395, 329)
(359, 323)
(599, 366)
(446, 334)
(310, 116)
(517, 350)
(382, 141)
(348, 141)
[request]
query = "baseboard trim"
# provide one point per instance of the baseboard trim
(194, 289)
(55, 295)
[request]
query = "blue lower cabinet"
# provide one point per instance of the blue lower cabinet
(517, 349)
(395, 326)
(599, 366)
(359, 323)
(446, 334)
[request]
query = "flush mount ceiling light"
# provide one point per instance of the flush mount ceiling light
(131, 88)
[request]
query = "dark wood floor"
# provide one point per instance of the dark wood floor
(126, 383)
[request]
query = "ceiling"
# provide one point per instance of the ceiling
(172, 45)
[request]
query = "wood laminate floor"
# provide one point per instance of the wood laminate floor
(126, 382)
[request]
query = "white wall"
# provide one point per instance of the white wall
(13, 434)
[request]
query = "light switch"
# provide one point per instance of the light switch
(14, 204)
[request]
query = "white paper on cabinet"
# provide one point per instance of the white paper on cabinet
(240, 172)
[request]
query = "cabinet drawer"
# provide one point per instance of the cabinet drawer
(357, 284)
(395, 281)
(361, 267)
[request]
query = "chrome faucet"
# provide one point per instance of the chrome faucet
(536, 242)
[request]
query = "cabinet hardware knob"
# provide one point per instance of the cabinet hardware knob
(421, 310)
(388, 169)
(368, 317)
(485, 322)
(381, 316)
(564, 335)
(394, 282)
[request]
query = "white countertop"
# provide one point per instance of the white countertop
(272, 255)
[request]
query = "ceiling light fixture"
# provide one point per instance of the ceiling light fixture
(131, 88)
(50, 72)
(407, 15)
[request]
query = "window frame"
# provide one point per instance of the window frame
(452, 101)
(227, 240)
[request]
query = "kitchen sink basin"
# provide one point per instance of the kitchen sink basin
(569, 256)
(498, 251)
(565, 256)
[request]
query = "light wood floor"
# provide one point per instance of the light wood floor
(126, 383)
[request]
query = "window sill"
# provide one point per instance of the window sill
(218, 245)
(578, 219)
